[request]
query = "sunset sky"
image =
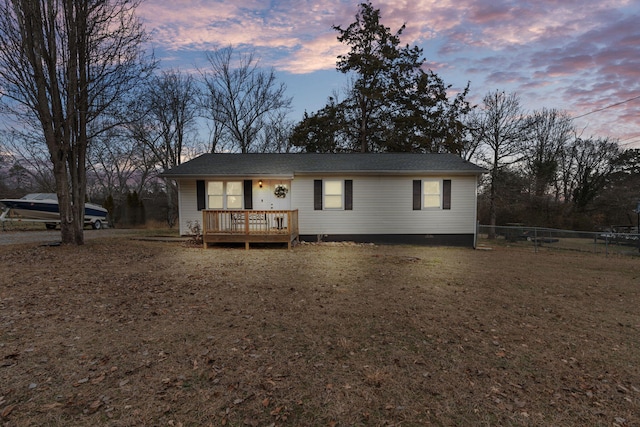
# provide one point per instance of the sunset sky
(574, 55)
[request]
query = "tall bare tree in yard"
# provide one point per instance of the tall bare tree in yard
(589, 164)
(276, 137)
(548, 133)
(171, 111)
(498, 124)
(68, 63)
(29, 158)
(242, 99)
(119, 164)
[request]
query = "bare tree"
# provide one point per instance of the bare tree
(3, 152)
(548, 133)
(589, 164)
(471, 146)
(241, 99)
(216, 140)
(276, 137)
(119, 165)
(68, 63)
(498, 125)
(171, 113)
(30, 162)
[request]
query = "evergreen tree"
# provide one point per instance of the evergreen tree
(392, 104)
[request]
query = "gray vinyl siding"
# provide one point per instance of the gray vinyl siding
(188, 205)
(383, 205)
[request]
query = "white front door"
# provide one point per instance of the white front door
(265, 199)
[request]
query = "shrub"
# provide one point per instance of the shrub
(195, 232)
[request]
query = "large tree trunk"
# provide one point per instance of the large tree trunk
(66, 62)
(67, 233)
(492, 197)
(492, 212)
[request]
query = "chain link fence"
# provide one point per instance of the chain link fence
(539, 238)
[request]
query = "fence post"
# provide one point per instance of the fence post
(535, 239)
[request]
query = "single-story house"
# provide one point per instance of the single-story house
(368, 197)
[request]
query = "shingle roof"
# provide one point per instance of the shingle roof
(278, 164)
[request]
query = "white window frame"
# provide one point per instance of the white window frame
(215, 196)
(332, 196)
(226, 198)
(233, 198)
(431, 195)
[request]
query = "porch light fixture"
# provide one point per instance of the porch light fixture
(260, 183)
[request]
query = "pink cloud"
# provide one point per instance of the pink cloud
(587, 51)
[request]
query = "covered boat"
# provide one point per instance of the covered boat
(43, 207)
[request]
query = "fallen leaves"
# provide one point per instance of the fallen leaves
(7, 411)
(361, 335)
(50, 406)
(81, 381)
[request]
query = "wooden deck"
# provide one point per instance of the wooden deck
(249, 226)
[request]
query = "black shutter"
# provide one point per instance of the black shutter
(417, 194)
(348, 194)
(446, 194)
(248, 194)
(317, 194)
(200, 195)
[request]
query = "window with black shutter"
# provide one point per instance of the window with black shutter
(431, 194)
(248, 194)
(317, 194)
(417, 195)
(446, 194)
(201, 195)
(333, 194)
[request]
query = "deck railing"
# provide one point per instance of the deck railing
(249, 226)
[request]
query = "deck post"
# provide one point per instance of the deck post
(204, 229)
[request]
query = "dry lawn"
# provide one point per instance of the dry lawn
(123, 332)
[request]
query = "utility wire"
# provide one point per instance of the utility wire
(628, 138)
(607, 107)
(629, 143)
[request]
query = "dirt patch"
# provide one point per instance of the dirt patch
(125, 332)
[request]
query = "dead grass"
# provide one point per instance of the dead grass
(123, 332)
